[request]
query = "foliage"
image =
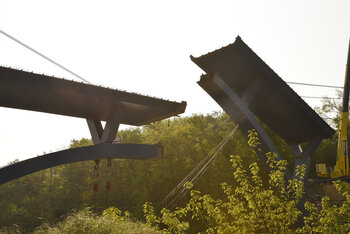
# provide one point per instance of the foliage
(252, 206)
(331, 218)
(85, 221)
(330, 109)
(48, 195)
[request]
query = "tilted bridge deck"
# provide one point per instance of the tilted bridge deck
(249, 91)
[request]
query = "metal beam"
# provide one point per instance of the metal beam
(100, 151)
(239, 111)
(251, 91)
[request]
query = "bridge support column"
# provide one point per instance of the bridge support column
(304, 156)
(108, 133)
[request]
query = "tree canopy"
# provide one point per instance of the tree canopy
(49, 195)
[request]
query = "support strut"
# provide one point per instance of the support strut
(238, 109)
(106, 135)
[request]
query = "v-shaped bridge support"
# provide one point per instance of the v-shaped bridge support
(102, 148)
(109, 132)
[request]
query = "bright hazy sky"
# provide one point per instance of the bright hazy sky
(144, 47)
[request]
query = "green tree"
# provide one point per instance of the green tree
(47, 195)
(330, 218)
(251, 206)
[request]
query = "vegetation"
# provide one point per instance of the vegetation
(254, 200)
(85, 221)
(46, 196)
(330, 218)
(251, 206)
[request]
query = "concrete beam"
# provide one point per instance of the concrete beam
(100, 151)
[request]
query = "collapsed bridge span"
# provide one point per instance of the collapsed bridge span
(249, 91)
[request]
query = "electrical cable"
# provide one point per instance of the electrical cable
(318, 85)
(43, 56)
(320, 97)
(199, 170)
(85, 80)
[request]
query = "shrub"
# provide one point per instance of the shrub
(85, 221)
(252, 206)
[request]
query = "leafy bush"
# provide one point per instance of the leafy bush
(331, 218)
(253, 206)
(85, 221)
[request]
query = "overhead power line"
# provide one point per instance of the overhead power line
(318, 85)
(320, 97)
(43, 56)
(85, 80)
(180, 191)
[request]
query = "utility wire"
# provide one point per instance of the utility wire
(81, 78)
(179, 191)
(318, 85)
(43, 56)
(320, 97)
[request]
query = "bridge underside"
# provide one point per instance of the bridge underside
(30, 91)
(36, 92)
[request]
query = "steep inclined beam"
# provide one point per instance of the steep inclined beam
(251, 91)
(100, 151)
(96, 129)
(244, 109)
(239, 111)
